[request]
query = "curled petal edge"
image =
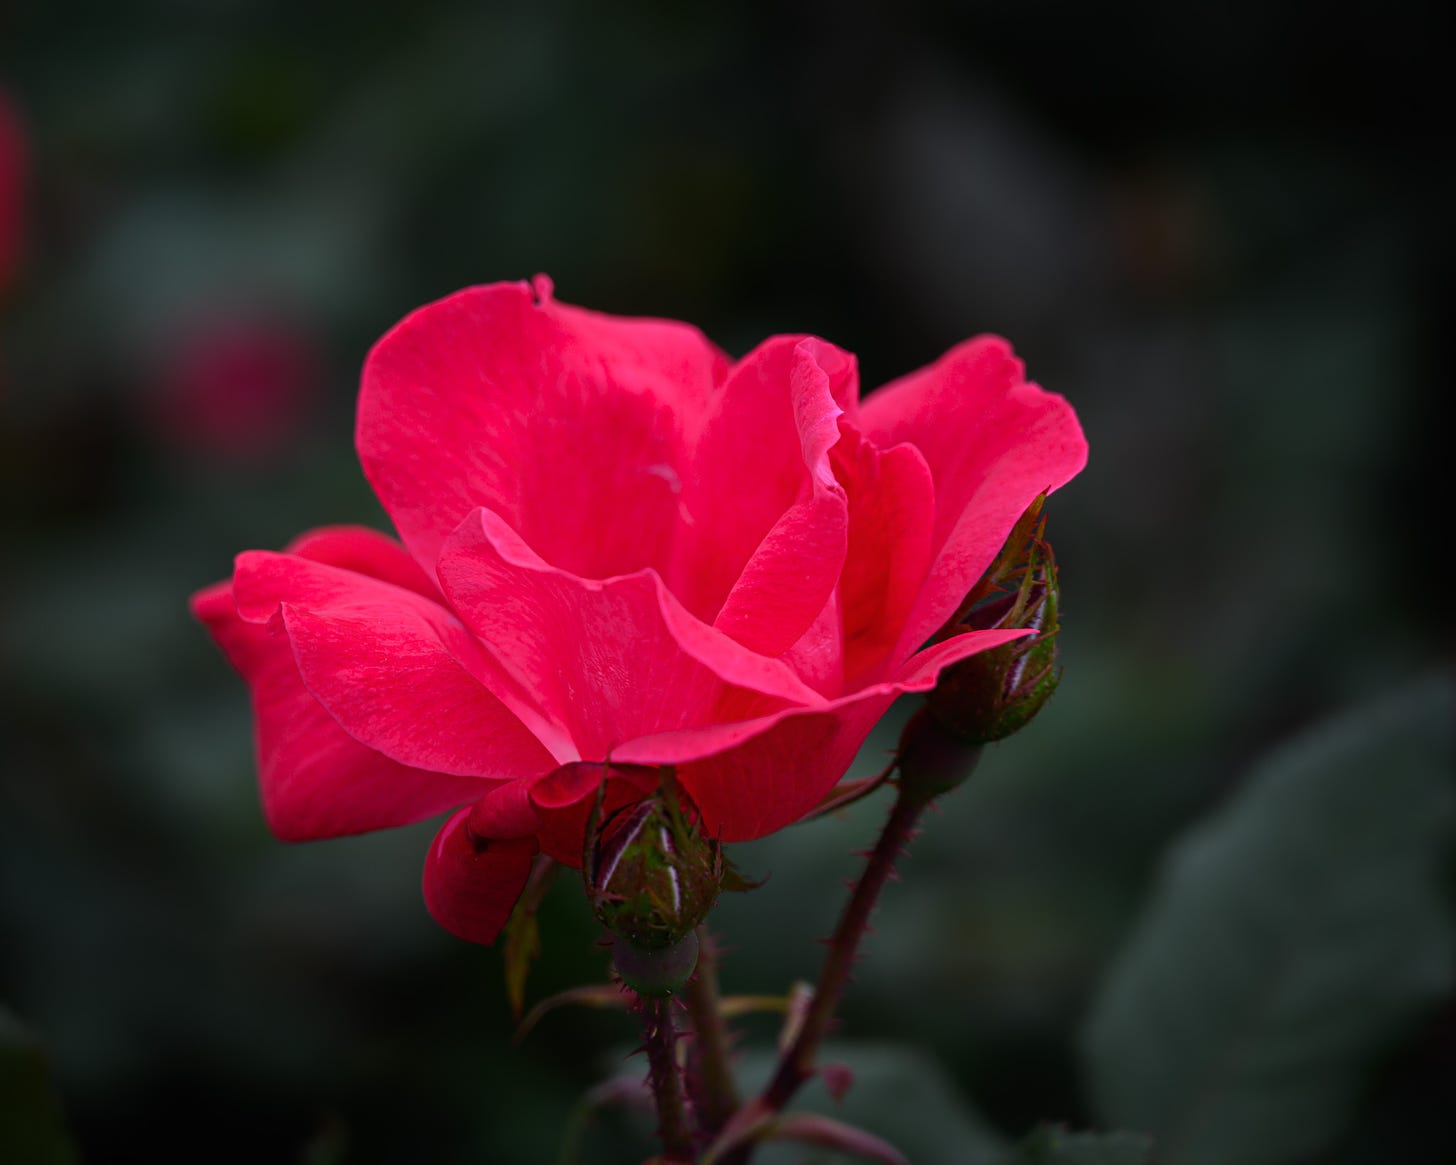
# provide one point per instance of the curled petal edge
(740, 800)
(471, 884)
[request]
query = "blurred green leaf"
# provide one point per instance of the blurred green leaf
(522, 947)
(1054, 1146)
(31, 1129)
(1294, 938)
(522, 935)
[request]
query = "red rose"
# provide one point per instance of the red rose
(620, 544)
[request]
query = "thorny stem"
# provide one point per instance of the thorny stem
(737, 1137)
(797, 1064)
(711, 1082)
(659, 1039)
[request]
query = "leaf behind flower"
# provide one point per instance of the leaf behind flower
(31, 1128)
(901, 1095)
(1293, 940)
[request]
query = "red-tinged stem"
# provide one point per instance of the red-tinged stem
(927, 770)
(797, 1064)
(659, 1038)
(711, 1083)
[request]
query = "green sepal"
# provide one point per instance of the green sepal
(521, 936)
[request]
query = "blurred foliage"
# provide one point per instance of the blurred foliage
(1058, 1147)
(31, 1128)
(1220, 230)
(898, 1093)
(1294, 938)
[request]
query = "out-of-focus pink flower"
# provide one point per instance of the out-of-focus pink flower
(237, 387)
(621, 546)
(12, 192)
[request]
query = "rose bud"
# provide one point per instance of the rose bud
(652, 876)
(991, 695)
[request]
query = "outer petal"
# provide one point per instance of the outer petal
(472, 884)
(366, 552)
(564, 421)
(993, 442)
(556, 807)
(567, 798)
(765, 521)
(316, 780)
(609, 660)
(891, 524)
(397, 671)
(752, 778)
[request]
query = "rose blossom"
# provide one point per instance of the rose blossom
(619, 545)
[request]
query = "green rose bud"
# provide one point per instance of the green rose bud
(995, 693)
(652, 876)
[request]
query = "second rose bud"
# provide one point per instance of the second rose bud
(652, 876)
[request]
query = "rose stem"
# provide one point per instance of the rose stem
(796, 1065)
(663, 1074)
(715, 1096)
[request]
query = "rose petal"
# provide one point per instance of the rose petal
(765, 521)
(471, 885)
(561, 420)
(608, 660)
(506, 812)
(567, 798)
(754, 777)
(316, 781)
(775, 777)
(891, 518)
(397, 671)
(993, 442)
(556, 807)
(922, 669)
(818, 656)
(367, 552)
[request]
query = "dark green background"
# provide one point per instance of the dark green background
(1223, 231)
